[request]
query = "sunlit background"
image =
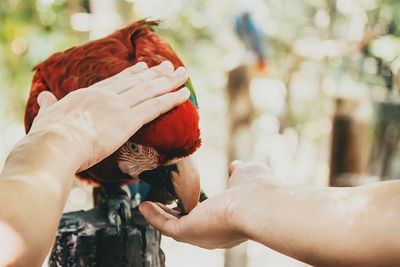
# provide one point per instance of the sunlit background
(327, 61)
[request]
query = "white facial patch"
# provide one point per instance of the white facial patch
(135, 159)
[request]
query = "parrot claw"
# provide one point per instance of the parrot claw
(115, 220)
(120, 205)
(116, 202)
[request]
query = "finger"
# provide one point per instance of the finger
(150, 109)
(156, 87)
(169, 210)
(234, 165)
(46, 99)
(158, 218)
(125, 83)
(134, 69)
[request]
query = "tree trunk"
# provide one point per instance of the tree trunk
(85, 238)
(385, 156)
(349, 146)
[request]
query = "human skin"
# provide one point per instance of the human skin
(68, 136)
(356, 226)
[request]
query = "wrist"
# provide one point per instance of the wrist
(42, 151)
(253, 208)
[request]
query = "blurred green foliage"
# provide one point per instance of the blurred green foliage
(30, 31)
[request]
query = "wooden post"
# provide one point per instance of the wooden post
(349, 147)
(385, 153)
(85, 238)
(241, 115)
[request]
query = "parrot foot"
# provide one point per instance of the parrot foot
(116, 203)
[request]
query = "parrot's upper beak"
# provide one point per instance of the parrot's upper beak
(179, 181)
(186, 182)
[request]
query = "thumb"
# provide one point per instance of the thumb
(234, 165)
(45, 99)
(249, 173)
(158, 218)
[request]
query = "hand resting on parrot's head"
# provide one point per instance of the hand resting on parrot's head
(160, 151)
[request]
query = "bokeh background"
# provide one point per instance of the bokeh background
(323, 112)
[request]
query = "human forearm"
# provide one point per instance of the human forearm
(35, 181)
(326, 227)
(48, 148)
(321, 226)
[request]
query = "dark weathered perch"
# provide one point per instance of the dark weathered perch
(85, 238)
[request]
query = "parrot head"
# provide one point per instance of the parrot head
(165, 143)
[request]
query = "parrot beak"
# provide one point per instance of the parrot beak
(177, 181)
(186, 183)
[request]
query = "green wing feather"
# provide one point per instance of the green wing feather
(192, 97)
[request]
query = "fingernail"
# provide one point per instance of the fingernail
(180, 71)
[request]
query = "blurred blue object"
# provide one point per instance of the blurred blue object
(140, 188)
(252, 36)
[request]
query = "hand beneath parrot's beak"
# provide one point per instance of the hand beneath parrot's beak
(180, 181)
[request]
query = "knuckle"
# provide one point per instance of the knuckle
(145, 95)
(139, 79)
(135, 81)
(149, 86)
(147, 92)
(147, 75)
(157, 105)
(165, 67)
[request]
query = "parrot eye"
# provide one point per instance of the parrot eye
(134, 147)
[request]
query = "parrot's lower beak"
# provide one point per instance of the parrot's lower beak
(186, 183)
(178, 181)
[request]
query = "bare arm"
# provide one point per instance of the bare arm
(70, 135)
(321, 226)
(329, 227)
(33, 189)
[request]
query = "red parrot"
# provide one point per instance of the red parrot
(159, 149)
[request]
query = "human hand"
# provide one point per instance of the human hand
(217, 222)
(93, 122)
